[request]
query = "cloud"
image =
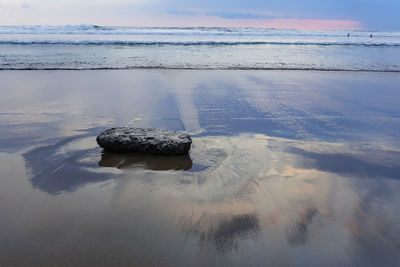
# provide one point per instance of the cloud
(25, 5)
(239, 15)
(181, 12)
(14, 5)
(328, 13)
(61, 4)
(313, 24)
(211, 18)
(222, 14)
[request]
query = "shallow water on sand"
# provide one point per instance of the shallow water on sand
(287, 168)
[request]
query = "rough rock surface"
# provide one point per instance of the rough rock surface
(147, 140)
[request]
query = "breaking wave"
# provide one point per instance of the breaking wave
(93, 47)
(189, 43)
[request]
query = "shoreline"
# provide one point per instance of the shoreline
(198, 69)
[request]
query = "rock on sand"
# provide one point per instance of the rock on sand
(146, 140)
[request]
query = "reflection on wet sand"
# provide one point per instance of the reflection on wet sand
(275, 198)
(61, 167)
(229, 232)
(347, 164)
(65, 166)
(249, 189)
(147, 161)
(299, 234)
(246, 189)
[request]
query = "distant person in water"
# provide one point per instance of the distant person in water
(348, 35)
(370, 36)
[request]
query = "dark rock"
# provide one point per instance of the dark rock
(146, 140)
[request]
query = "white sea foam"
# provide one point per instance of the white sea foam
(187, 43)
(92, 34)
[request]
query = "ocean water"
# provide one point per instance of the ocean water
(98, 47)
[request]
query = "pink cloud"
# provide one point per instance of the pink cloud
(213, 21)
(313, 24)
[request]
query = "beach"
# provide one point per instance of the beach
(287, 168)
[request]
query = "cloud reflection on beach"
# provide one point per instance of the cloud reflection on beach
(252, 188)
(277, 174)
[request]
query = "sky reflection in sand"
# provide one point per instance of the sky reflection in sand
(294, 194)
(263, 191)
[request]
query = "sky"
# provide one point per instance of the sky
(296, 14)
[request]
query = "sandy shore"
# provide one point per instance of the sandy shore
(287, 168)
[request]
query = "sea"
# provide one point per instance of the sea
(108, 47)
(295, 159)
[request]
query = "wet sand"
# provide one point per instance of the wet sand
(287, 168)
